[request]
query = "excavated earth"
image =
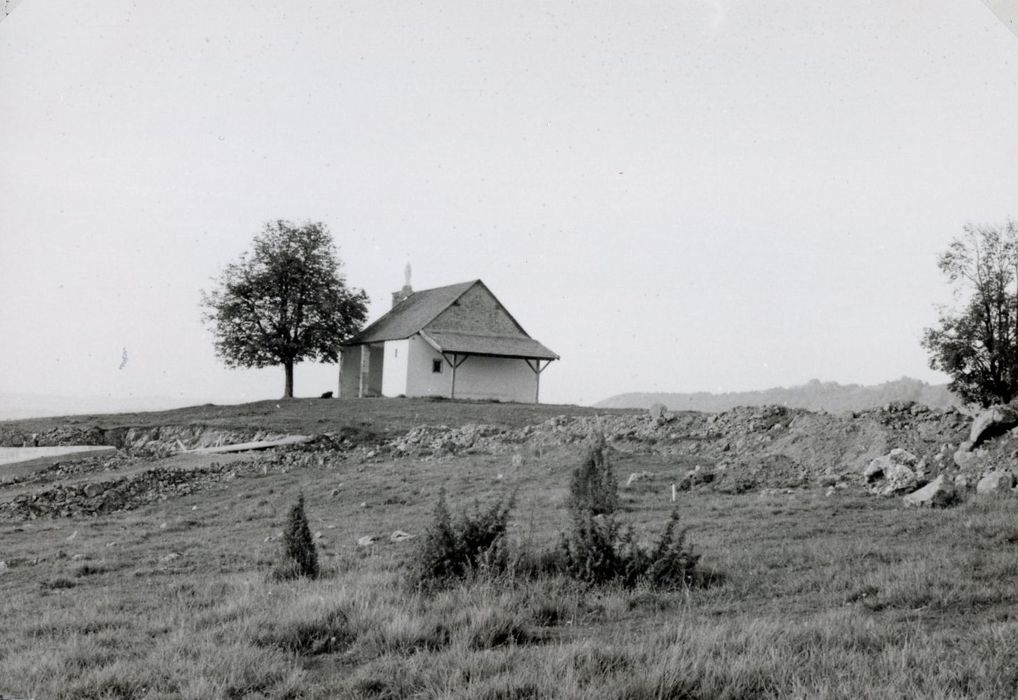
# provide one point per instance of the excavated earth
(741, 450)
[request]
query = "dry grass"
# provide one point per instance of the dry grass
(848, 596)
(358, 418)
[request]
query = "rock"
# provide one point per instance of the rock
(93, 489)
(3, 566)
(992, 422)
(636, 477)
(517, 460)
(318, 535)
(963, 482)
(997, 481)
(169, 557)
(892, 473)
(936, 494)
(964, 456)
(657, 411)
(366, 541)
(400, 536)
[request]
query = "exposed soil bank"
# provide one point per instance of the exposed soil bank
(14, 455)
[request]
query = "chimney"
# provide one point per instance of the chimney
(407, 290)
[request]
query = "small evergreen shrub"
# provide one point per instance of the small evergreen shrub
(600, 551)
(299, 557)
(593, 487)
(453, 548)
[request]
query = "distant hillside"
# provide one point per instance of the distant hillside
(814, 395)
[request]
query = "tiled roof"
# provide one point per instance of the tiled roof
(498, 346)
(412, 314)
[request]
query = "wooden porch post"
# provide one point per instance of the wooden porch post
(365, 365)
(456, 362)
(536, 368)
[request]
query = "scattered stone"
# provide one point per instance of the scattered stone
(3, 566)
(657, 411)
(400, 536)
(997, 481)
(318, 535)
(964, 455)
(517, 460)
(637, 477)
(72, 535)
(364, 504)
(994, 421)
(366, 541)
(892, 474)
(936, 494)
(327, 395)
(169, 557)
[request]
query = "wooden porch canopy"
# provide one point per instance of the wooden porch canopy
(455, 348)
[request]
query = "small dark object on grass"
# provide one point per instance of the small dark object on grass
(327, 395)
(299, 556)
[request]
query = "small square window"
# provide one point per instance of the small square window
(436, 366)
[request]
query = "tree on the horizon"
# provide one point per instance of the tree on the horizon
(283, 302)
(977, 344)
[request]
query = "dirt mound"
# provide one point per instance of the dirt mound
(159, 441)
(100, 497)
(743, 448)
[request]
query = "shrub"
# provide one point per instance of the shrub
(600, 551)
(453, 548)
(593, 487)
(299, 557)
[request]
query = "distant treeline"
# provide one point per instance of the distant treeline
(814, 395)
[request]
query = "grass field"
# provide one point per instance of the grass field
(371, 418)
(818, 597)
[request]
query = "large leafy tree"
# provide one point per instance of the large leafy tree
(977, 343)
(284, 301)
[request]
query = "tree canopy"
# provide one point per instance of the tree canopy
(284, 301)
(977, 343)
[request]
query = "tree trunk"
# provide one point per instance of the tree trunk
(288, 368)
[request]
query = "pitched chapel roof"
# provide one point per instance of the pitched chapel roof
(411, 316)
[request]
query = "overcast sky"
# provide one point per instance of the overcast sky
(675, 196)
